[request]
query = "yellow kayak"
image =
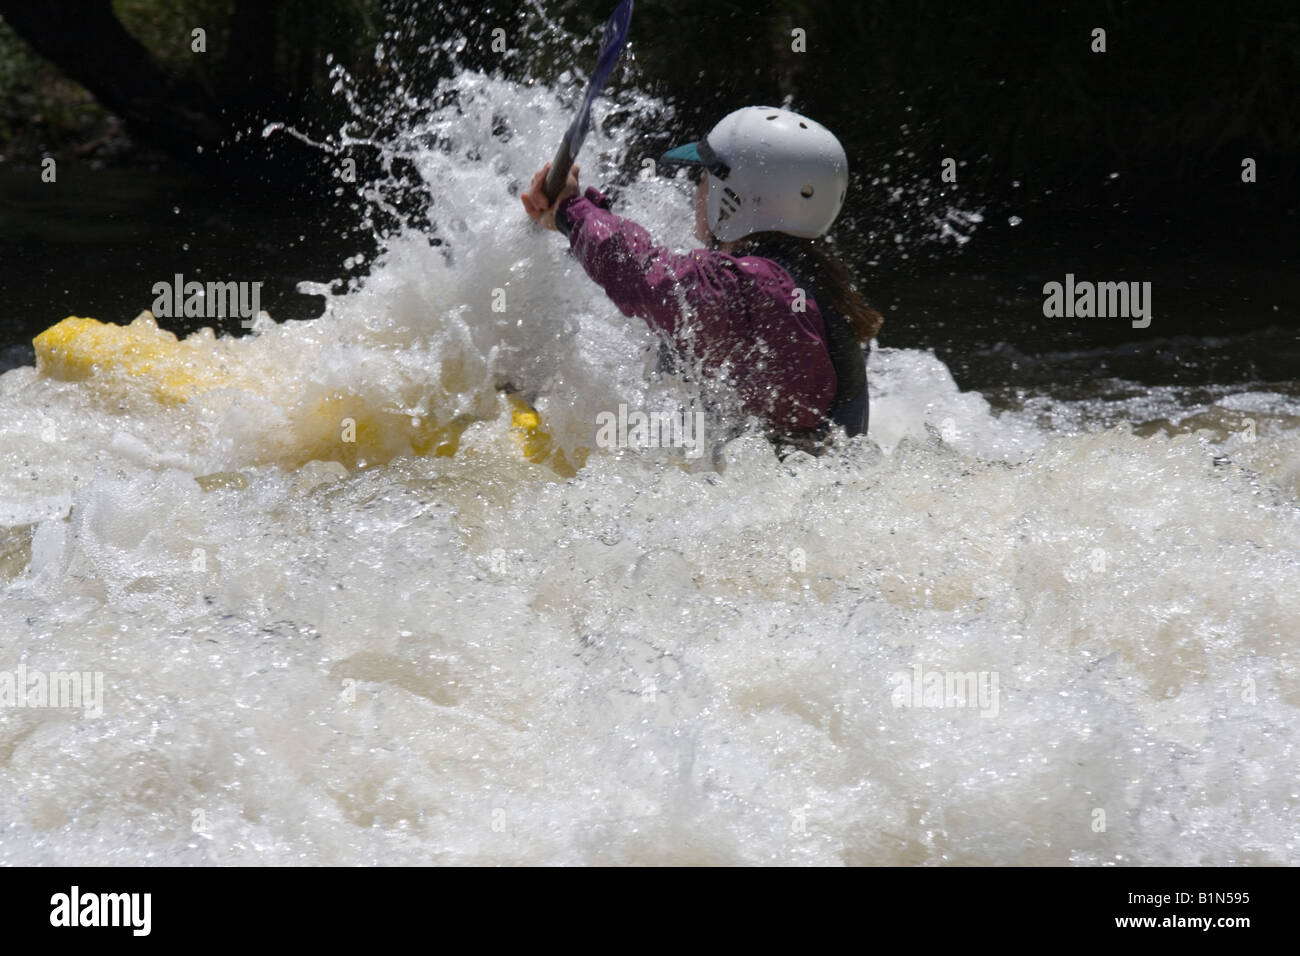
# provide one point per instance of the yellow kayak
(141, 360)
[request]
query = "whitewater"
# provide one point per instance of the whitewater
(325, 654)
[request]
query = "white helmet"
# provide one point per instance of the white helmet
(769, 169)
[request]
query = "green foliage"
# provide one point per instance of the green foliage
(164, 26)
(39, 108)
(1011, 88)
(304, 31)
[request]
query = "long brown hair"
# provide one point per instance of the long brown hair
(835, 278)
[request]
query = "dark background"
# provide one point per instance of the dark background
(1123, 165)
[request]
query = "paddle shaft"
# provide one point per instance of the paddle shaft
(613, 37)
(559, 173)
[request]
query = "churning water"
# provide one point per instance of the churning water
(414, 658)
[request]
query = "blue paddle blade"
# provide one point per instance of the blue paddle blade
(611, 46)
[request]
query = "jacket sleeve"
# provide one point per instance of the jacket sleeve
(641, 278)
(740, 309)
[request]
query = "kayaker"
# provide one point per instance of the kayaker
(765, 306)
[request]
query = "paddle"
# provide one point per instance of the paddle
(611, 45)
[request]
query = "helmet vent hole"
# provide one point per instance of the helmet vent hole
(806, 192)
(772, 117)
(803, 125)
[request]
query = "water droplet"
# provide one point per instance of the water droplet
(1014, 221)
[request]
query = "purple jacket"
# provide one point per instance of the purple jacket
(733, 313)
